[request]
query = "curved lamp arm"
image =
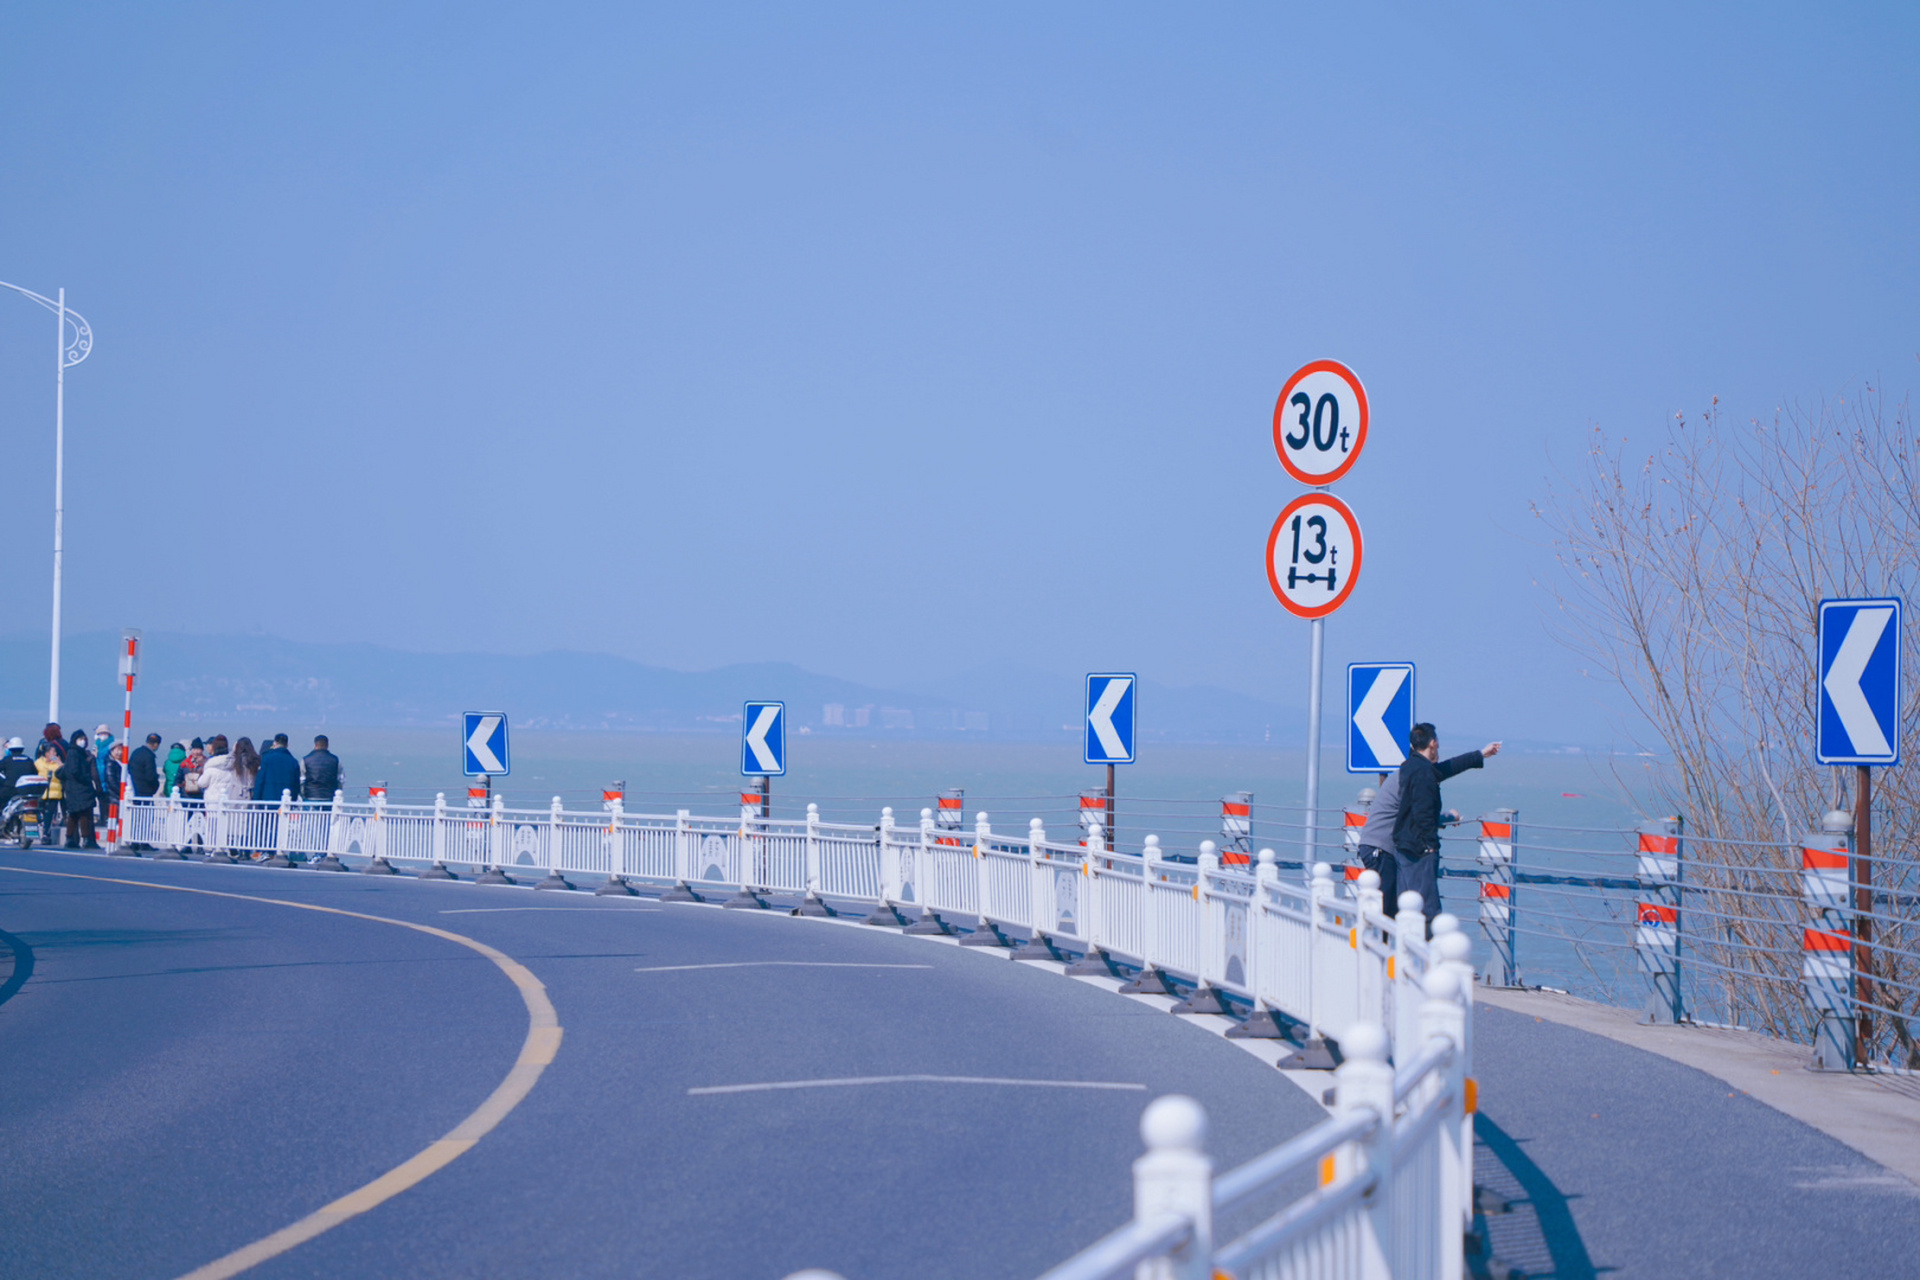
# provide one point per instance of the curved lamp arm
(77, 347)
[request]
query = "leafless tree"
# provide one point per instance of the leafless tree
(1692, 573)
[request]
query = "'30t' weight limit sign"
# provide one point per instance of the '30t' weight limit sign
(1313, 555)
(1320, 422)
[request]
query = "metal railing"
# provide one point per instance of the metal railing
(1394, 1165)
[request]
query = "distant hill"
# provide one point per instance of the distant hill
(213, 678)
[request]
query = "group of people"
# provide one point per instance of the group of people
(84, 775)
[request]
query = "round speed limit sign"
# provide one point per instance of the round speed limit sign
(1320, 422)
(1313, 555)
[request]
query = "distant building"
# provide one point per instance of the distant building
(895, 718)
(863, 716)
(970, 721)
(834, 715)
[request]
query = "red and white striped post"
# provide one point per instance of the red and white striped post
(1826, 956)
(1656, 935)
(1353, 820)
(1236, 829)
(129, 668)
(1093, 814)
(949, 813)
(1499, 841)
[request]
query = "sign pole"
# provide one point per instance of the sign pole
(1113, 841)
(1310, 833)
(1862, 905)
(766, 797)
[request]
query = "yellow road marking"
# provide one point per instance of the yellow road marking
(536, 1052)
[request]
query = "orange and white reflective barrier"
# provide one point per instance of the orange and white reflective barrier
(1236, 829)
(1352, 822)
(1826, 947)
(1499, 837)
(1656, 931)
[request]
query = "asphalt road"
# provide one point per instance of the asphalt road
(185, 1074)
(1621, 1163)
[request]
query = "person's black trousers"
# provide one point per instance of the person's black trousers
(1422, 876)
(1381, 863)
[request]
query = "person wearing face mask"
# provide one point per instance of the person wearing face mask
(79, 793)
(106, 767)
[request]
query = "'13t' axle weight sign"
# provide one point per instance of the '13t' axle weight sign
(1320, 422)
(1313, 555)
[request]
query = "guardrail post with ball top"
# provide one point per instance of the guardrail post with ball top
(614, 801)
(986, 933)
(1443, 1013)
(810, 905)
(1263, 1023)
(892, 876)
(1206, 997)
(1151, 980)
(1044, 911)
(682, 890)
(376, 846)
(554, 879)
(496, 844)
(438, 849)
(336, 836)
(929, 925)
(1314, 1054)
(1364, 1083)
(1175, 1176)
(282, 819)
(1094, 961)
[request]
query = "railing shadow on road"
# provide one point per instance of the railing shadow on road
(20, 964)
(1517, 1241)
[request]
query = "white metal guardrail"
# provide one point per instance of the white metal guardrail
(1394, 1164)
(1300, 957)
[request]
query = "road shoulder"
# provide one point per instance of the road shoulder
(1876, 1115)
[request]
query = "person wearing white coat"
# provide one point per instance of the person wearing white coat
(219, 787)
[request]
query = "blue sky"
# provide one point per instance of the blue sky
(894, 341)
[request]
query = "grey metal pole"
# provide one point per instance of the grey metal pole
(1318, 626)
(59, 491)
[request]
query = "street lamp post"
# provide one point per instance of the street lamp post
(66, 352)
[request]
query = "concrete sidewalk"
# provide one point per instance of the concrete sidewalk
(1876, 1115)
(1626, 1151)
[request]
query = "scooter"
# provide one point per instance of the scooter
(20, 820)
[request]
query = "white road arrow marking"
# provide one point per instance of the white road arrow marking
(757, 739)
(1101, 718)
(477, 743)
(1369, 716)
(1843, 682)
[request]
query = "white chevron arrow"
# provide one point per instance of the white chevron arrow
(1843, 682)
(763, 723)
(1370, 716)
(1101, 718)
(479, 742)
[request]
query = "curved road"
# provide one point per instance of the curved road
(187, 1073)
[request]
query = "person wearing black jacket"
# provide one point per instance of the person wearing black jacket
(1416, 832)
(143, 778)
(15, 765)
(143, 769)
(79, 792)
(322, 770)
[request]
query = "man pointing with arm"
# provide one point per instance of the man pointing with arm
(1416, 830)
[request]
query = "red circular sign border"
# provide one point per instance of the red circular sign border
(1353, 576)
(1360, 436)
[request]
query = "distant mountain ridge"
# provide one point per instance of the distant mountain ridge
(218, 678)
